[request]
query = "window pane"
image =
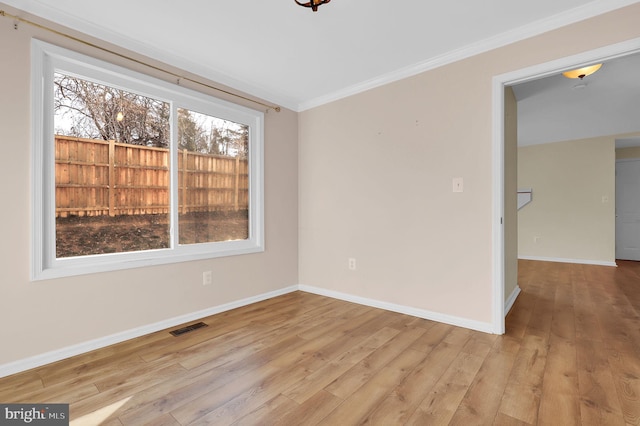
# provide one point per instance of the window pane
(111, 169)
(213, 178)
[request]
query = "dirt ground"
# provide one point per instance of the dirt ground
(78, 236)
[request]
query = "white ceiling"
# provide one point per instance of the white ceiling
(291, 56)
(556, 108)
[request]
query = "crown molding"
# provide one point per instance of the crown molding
(53, 14)
(156, 53)
(560, 20)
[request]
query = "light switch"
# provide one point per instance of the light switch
(458, 184)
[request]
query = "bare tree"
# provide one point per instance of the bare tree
(93, 110)
(229, 139)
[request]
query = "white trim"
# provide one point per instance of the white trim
(80, 348)
(101, 342)
(407, 310)
(173, 58)
(566, 260)
(580, 13)
(508, 304)
(569, 17)
(602, 54)
(497, 228)
(48, 58)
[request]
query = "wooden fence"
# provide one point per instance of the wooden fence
(95, 178)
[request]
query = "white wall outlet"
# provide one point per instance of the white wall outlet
(207, 278)
(458, 184)
(352, 263)
(536, 239)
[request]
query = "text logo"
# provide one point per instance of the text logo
(34, 414)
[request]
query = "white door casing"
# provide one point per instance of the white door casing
(499, 82)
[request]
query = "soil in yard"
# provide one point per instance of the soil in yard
(79, 236)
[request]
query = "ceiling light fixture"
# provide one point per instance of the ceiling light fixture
(582, 72)
(313, 4)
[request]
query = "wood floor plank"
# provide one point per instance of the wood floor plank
(559, 403)
(505, 420)
(248, 342)
(322, 377)
(522, 393)
(440, 404)
(124, 389)
(482, 400)
(61, 394)
(524, 308)
(362, 372)
(480, 344)
(309, 413)
(260, 393)
(255, 320)
(179, 391)
(626, 376)
(508, 343)
(18, 385)
(223, 323)
(523, 390)
(400, 404)
(599, 404)
(270, 412)
(571, 355)
(254, 397)
(83, 364)
(90, 368)
(542, 314)
(207, 378)
(282, 359)
(587, 324)
(164, 420)
(204, 404)
(430, 340)
(100, 415)
(358, 404)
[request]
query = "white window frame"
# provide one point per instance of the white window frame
(47, 59)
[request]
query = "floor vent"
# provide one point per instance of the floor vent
(188, 328)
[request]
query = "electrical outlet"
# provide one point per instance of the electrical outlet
(352, 263)
(207, 278)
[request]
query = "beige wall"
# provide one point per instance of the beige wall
(376, 170)
(572, 214)
(38, 317)
(370, 178)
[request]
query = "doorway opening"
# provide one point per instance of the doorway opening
(503, 257)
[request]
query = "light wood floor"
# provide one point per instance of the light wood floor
(571, 355)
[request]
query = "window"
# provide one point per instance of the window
(132, 171)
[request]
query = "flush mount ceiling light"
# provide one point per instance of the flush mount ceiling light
(582, 72)
(313, 4)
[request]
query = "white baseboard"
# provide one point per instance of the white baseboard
(57, 355)
(69, 351)
(420, 313)
(508, 304)
(563, 260)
